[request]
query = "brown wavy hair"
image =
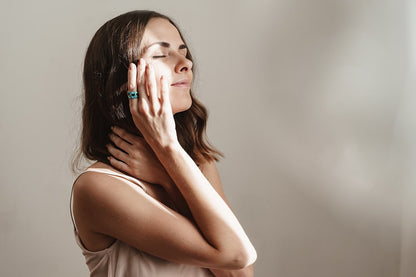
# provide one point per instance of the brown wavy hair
(114, 46)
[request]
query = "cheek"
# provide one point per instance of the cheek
(161, 69)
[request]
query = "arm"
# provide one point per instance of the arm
(137, 160)
(116, 210)
(131, 154)
(216, 221)
(211, 173)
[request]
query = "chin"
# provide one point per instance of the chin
(182, 106)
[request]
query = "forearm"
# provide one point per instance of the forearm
(177, 198)
(244, 272)
(214, 218)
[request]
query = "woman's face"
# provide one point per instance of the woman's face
(164, 49)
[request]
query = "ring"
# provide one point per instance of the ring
(133, 95)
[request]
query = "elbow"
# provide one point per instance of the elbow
(241, 259)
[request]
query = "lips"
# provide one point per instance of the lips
(185, 83)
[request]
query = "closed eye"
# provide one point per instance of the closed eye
(183, 49)
(159, 56)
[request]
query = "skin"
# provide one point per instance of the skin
(184, 216)
(165, 52)
(141, 162)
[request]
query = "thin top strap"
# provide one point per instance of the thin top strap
(113, 173)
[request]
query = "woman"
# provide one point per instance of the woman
(152, 204)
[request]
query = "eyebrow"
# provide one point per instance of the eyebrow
(163, 44)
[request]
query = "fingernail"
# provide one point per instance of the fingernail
(131, 66)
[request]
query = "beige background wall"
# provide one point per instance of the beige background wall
(312, 103)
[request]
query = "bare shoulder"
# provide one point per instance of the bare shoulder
(98, 192)
(91, 188)
(92, 185)
(96, 199)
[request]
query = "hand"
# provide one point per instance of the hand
(152, 114)
(134, 156)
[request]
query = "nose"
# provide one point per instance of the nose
(183, 65)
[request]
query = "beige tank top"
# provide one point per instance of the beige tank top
(122, 260)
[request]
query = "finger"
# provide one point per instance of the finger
(140, 75)
(130, 138)
(118, 154)
(143, 99)
(164, 92)
(152, 88)
(132, 85)
(120, 143)
(119, 165)
(131, 77)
